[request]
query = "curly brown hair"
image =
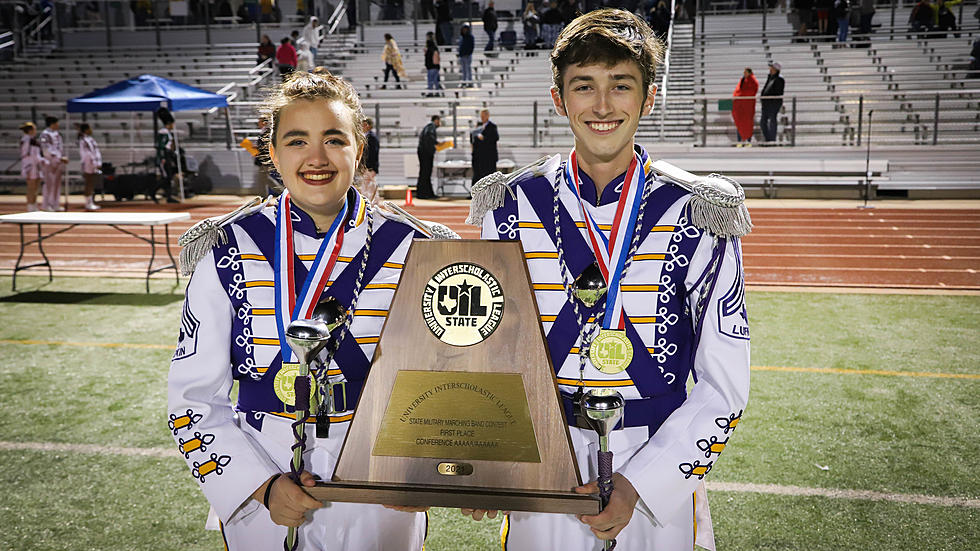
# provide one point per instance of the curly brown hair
(300, 85)
(607, 36)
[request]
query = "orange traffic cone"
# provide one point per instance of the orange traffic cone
(408, 197)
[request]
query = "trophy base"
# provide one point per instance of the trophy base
(424, 495)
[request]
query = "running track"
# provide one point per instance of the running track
(804, 247)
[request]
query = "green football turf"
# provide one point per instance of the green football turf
(908, 434)
(755, 522)
(76, 501)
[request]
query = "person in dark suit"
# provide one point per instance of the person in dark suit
(427, 152)
(772, 101)
(484, 147)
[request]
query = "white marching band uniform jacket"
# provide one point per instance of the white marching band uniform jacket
(52, 147)
(30, 158)
(91, 155)
(228, 333)
(684, 301)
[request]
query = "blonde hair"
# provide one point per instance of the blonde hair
(607, 36)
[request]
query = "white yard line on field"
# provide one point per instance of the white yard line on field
(868, 495)
(772, 489)
(88, 448)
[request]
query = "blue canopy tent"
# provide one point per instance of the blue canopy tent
(149, 93)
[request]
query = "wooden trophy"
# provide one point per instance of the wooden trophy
(461, 407)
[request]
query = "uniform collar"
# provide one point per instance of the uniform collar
(303, 222)
(610, 193)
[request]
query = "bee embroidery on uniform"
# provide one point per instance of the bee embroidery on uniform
(200, 442)
(695, 469)
(712, 446)
(728, 424)
(214, 465)
(185, 421)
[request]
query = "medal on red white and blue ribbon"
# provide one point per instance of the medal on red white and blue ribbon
(291, 306)
(611, 350)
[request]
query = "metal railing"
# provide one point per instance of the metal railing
(7, 43)
(670, 43)
(919, 118)
(336, 17)
(36, 28)
(262, 71)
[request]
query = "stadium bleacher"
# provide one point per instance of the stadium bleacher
(919, 88)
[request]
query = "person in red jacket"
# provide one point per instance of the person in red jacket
(743, 110)
(286, 57)
(267, 49)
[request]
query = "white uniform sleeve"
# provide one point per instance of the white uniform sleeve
(227, 463)
(668, 468)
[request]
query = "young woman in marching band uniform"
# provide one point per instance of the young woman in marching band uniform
(266, 266)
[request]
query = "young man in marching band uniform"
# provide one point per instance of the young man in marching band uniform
(258, 270)
(668, 254)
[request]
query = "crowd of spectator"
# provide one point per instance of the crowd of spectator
(834, 19)
(541, 20)
(936, 19)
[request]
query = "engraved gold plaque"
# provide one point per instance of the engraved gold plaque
(458, 415)
(454, 469)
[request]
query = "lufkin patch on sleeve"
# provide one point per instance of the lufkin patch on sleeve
(187, 340)
(198, 241)
(717, 202)
(489, 192)
(733, 319)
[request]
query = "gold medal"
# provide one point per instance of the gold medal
(285, 385)
(611, 351)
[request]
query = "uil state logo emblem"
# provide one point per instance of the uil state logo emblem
(462, 304)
